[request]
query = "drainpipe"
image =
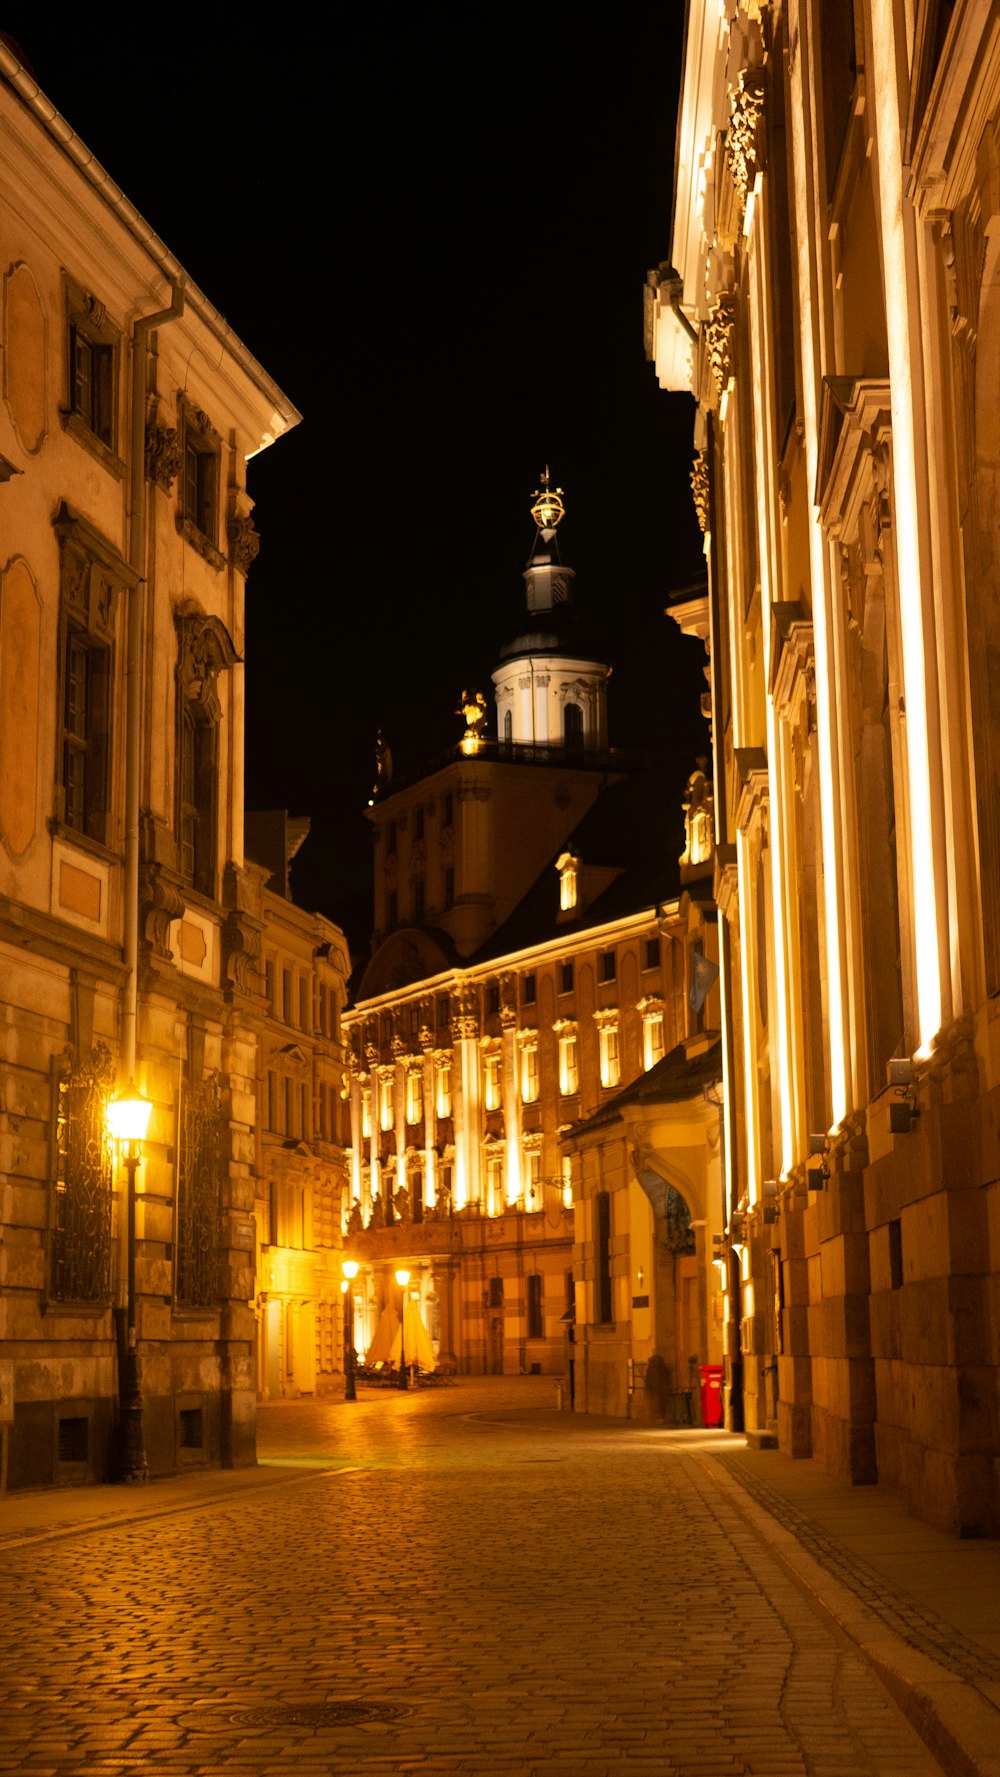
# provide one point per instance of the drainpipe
(671, 285)
(133, 667)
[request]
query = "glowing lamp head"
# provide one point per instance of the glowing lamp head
(350, 1268)
(128, 1116)
(402, 1278)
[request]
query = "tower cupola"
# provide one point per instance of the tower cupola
(550, 690)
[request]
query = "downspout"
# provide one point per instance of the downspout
(133, 668)
(671, 286)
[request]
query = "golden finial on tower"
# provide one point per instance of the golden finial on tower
(548, 508)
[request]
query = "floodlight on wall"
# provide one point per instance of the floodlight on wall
(817, 1170)
(903, 1113)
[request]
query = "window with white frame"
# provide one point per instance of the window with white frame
(530, 1078)
(652, 1036)
(569, 1071)
(567, 865)
(491, 1080)
(385, 1101)
(611, 1072)
(444, 1086)
(414, 1096)
(494, 1184)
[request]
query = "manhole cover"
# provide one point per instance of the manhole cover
(316, 1715)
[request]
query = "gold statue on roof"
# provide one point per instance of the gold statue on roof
(473, 708)
(549, 507)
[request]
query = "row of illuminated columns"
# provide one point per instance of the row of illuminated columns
(929, 841)
(462, 1083)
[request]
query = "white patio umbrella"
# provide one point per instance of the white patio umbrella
(417, 1347)
(380, 1351)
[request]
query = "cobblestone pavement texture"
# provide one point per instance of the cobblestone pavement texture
(458, 1580)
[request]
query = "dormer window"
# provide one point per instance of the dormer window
(568, 865)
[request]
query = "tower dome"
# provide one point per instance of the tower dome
(550, 691)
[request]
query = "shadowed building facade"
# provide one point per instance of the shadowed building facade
(130, 925)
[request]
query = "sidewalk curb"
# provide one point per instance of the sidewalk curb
(957, 1723)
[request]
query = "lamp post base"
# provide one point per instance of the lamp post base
(130, 1449)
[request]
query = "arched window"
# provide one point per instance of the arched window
(573, 728)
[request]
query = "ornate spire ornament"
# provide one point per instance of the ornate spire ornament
(548, 508)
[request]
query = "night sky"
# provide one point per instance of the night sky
(432, 226)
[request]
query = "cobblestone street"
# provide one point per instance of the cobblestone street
(457, 1580)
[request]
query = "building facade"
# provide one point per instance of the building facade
(129, 924)
(530, 959)
(832, 306)
(300, 1168)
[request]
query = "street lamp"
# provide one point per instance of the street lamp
(128, 1121)
(403, 1278)
(350, 1269)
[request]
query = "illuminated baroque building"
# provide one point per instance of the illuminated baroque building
(130, 927)
(533, 955)
(833, 304)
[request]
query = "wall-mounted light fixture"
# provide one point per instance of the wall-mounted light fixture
(905, 1109)
(817, 1170)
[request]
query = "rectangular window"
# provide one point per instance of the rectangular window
(385, 1101)
(610, 1062)
(494, 1185)
(491, 1082)
(92, 379)
(272, 1101)
(567, 1182)
(269, 981)
(532, 1178)
(200, 484)
(418, 824)
(449, 888)
(85, 734)
(286, 995)
(569, 1080)
(448, 810)
(196, 814)
(414, 1098)
(602, 1257)
(390, 839)
(529, 1073)
(305, 1121)
(566, 977)
(651, 958)
(492, 1000)
(652, 1039)
(609, 965)
(528, 990)
(290, 1107)
(304, 1021)
(536, 1323)
(444, 1087)
(366, 1112)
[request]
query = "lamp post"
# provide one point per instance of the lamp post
(128, 1121)
(350, 1269)
(403, 1278)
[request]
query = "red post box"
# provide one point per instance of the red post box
(711, 1394)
